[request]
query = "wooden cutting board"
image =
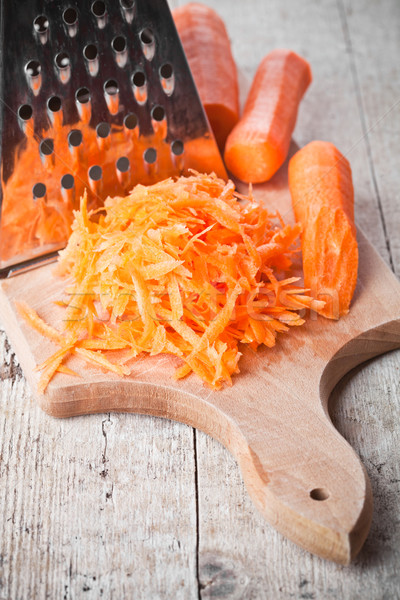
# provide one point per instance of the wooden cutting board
(302, 475)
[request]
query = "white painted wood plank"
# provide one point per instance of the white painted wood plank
(373, 37)
(97, 506)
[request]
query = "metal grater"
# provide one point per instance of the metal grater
(97, 96)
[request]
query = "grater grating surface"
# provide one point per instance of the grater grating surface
(96, 95)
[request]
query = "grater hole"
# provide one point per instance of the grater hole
(33, 68)
(103, 130)
(147, 36)
(41, 24)
(167, 78)
(131, 121)
(25, 112)
(139, 79)
(158, 113)
(95, 173)
(67, 182)
(82, 95)
(99, 8)
(139, 87)
(54, 104)
(147, 41)
(128, 9)
(119, 43)
(111, 87)
(75, 138)
(90, 52)
(177, 147)
(39, 190)
(119, 47)
(111, 95)
(46, 147)
(166, 71)
(150, 155)
(62, 60)
(123, 164)
(70, 16)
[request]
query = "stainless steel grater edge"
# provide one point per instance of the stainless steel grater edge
(96, 95)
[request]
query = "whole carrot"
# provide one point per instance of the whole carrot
(208, 51)
(322, 193)
(259, 143)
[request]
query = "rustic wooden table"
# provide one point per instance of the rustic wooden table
(125, 506)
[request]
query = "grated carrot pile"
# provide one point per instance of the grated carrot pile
(185, 267)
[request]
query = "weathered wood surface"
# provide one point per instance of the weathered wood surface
(128, 506)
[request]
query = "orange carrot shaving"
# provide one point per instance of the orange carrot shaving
(180, 267)
(67, 371)
(51, 366)
(33, 319)
(99, 359)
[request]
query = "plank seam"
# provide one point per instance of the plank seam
(196, 491)
(104, 458)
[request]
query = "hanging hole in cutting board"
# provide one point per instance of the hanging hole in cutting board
(319, 494)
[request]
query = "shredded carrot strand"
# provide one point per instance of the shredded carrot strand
(33, 319)
(100, 360)
(67, 371)
(51, 367)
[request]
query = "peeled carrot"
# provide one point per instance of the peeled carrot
(323, 202)
(259, 143)
(208, 51)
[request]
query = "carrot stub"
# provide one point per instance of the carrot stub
(208, 51)
(322, 193)
(258, 145)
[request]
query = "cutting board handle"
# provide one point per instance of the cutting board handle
(313, 488)
(300, 472)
